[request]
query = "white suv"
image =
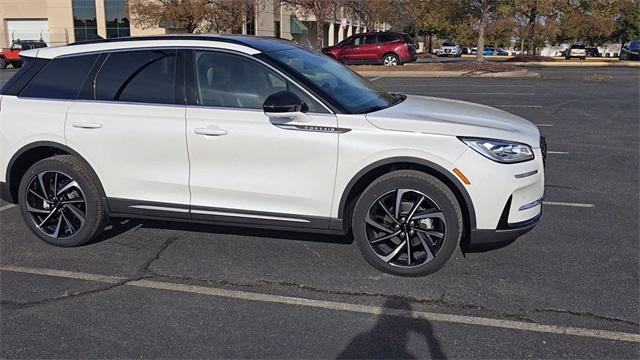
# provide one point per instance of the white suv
(259, 132)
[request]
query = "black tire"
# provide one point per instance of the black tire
(92, 208)
(390, 60)
(3, 63)
(420, 183)
(17, 65)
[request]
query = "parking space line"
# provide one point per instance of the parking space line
(466, 85)
(376, 78)
(544, 125)
(568, 204)
(341, 306)
(7, 207)
(520, 106)
(557, 152)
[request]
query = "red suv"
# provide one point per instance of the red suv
(385, 48)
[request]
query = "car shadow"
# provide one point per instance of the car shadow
(389, 338)
(119, 226)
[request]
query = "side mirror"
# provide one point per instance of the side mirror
(284, 104)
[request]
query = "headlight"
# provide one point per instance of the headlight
(500, 150)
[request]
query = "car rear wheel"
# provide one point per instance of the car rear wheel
(17, 65)
(407, 223)
(60, 201)
(390, 60)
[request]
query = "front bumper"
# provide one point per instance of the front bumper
(505, 234)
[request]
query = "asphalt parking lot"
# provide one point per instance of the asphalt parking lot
(570, 288)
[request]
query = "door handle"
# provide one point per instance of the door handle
(86, 125)
(210, 131)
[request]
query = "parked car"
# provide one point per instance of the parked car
(593, 52)
(450, 49)
(576, 51)
(630, 51)
(466, 50)
(386, 48)
(11, 56)
(259, 132)
(493, 51)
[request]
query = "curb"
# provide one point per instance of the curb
(630, 64)
(444, 74)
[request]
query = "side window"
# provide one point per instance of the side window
(62, 78)
(138, 76)
(228, 80)
(367, 39)
(387, 38)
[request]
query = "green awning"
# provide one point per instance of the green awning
(297, 27)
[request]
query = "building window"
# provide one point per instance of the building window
(84, 19)
(250, 19)
(117, 18)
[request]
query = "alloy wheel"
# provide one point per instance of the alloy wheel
(405, 228)
(56, 204)
(390, 61)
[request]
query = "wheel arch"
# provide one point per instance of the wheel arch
(32, 153)
(366, 176)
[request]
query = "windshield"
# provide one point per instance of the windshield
(344, 87)
(449, 44)
(634, 45)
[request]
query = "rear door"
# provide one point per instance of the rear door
(128, 124)
(364, 49)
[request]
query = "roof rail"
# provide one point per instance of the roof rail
(212, 37)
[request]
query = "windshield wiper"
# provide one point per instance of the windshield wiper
(398, 98)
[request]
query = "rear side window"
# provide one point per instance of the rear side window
(62, 78)
(634, 45)
(138, 76)
(383, 38)
(30, 67)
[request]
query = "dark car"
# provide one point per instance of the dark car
(631, 51)
(385, 48)
(593, 52)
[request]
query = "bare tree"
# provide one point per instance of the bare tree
(188, 15)
(322, 10)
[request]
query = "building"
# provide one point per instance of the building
(60, 22)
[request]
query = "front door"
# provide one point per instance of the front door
(246, 167)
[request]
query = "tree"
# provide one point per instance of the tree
(588, 21)
(370, 12)
(627, 22)
(436, 18)
(534, 21)
(322, 10)
(188, 15)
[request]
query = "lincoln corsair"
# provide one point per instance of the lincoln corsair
(258, 132)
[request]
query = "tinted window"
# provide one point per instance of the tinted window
(634, 45)
(383, 38)
(577, 46)
(138, 76)
(342, 86)
(368, 39)
(62, 78)
(234, 81)
(449, 44)
(30, 67)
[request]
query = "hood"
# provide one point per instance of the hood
(456, 118)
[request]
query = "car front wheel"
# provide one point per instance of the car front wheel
(407, 223)
(60, 201)
(3, 63)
